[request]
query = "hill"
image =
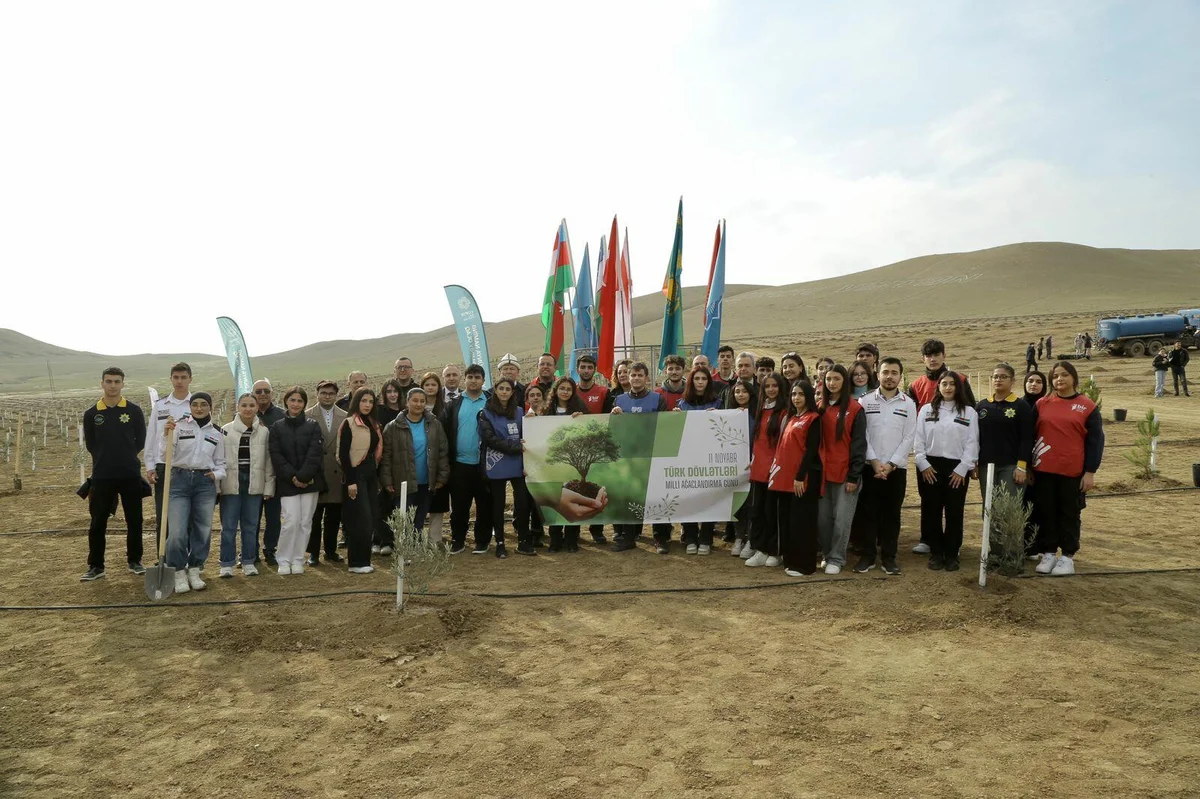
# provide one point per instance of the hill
(1042, 278)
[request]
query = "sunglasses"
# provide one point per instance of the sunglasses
(262, 391)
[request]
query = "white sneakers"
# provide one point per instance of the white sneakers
(921, 549)
(385, 550)
(747, 552)
(249, 569)
(793, 573)
(1064, 567)
(193, 578)
(1049, 559)
(738, 545)
(704, 549)
(833, 568)
(692, 549)
(361, 569)
(774, 560)
(298, 567)
(375, 549)
(284, 568)
(757, 559)
(225, 573)
(181, 582)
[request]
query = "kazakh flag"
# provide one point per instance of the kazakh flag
(561, 279)
(672, 336)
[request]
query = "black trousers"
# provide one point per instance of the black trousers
(1057, 501)
(630, 532)
(383, 535)
(879, 508)
(326, 520)
(1178, 376)
(940, 501)
(520, 508)
(760, 524)
(778, 512)
(467, 486)
(699, 533)
(1030, 366)
(798, 531)
(100, 503)
(359, 515)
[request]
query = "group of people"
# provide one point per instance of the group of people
(829, 462)
(1176, 360)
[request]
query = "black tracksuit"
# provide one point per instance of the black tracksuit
(1178, 361)
(114, 436)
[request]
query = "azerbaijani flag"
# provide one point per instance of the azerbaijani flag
(672, 335)
(716, 296)
(561, 279)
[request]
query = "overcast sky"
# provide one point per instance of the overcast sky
(320, 170)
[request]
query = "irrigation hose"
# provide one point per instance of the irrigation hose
(535, 594)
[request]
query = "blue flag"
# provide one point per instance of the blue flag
(672, 335)
(585, 324)
(235, 351)
(716, 295)
(471, 336)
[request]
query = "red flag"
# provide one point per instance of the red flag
(607, 307)
(711, 269)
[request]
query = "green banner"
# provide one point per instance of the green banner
(635, 468)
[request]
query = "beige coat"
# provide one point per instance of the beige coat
(333, 470)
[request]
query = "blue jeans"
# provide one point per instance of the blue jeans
(240, 510)
(189, 520)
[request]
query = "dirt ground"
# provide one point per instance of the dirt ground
(861, 685)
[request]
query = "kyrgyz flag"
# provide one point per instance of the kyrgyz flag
(672, 336)
(562, 278)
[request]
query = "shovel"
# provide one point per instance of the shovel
(160, 578)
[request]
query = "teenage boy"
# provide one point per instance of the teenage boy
(272, 514)
(327, 516)
(763, 368)
(725, 370)
(640, 399)
(176, 405)
(674, 383)
(354, 381)
(1178, 359)
(596, 398)
(891, 426)
(467, 483)
(868, 353)
(114, 432)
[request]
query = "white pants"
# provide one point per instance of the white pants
(295, 526)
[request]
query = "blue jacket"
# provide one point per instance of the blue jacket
(502, 448)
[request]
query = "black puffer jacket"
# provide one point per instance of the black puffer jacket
(296, 451)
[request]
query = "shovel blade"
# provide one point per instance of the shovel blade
(160, 582)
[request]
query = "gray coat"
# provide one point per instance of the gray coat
(330, 466)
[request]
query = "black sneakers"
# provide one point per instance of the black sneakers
(136, 568)
(936, 561)
(526, 549)
(890, 566)
(864, 565)
(93, 573)
(662, 547)
(481, 549)
(457, 548)
(952, 564)
(501, 552)
(622, 544)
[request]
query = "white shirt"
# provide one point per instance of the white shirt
(199, 448)
(891, 426)
(328, 414)
(952, 435)
(155, 451)
(450, 394)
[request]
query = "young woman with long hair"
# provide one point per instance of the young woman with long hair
(249, 477)
(699, 394)
(824, 364)
(1067, 450)
(862, 380)
(763, 549)
(947, 448)
(792, 367)
(535, 401)
(295, 444)
(391, 402)
(564, 399)
(843, 455)
(360, 449)
(740, 395)
(500, 430)
(794, 484)
(431, 383)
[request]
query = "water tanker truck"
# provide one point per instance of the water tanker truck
(1144, 334)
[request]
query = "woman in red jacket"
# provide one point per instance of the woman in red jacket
(795, 482)
(843, 455)
(1067, 449)
(763, 549)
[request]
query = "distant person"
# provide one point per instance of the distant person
(862, 380)
(891, 421)
(114, 432)
(868, 353)
(354, 381)
(726, 371)
(175, 405)
(673, 384)
(249, 479)
(1040, 347)
(500, 429)
(402, 371)
(1178, 361)
(700, 395)
(946, 448)
(1031, 358)
(1079, 345)
(451, 378)
(197, 468)
(295, 444)
(1067, 450)
(794, 484)
(773, 404)
(1087, 345)
(467, 484)
(268, 414)
(360, 449)
(1049, 348)
(414, 452)
(843, 455)
(640, 399)
(792, 367)
(739, 395)
(1162, 362)
(564, 400)
(1005, 433)
(391, 402)
(327, 514)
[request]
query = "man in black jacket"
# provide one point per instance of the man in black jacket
(114, 431)
(1178, 360)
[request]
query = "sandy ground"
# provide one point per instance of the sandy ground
(861, 685)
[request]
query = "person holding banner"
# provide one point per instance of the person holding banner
(360, 449)
(763, 549)
(700, 395)
(564, 399)
(843, 455)
(739, 395)
(640, 399)
(535, 405)
(597, 398)
(673, 384)
(501, 431)
(794, 484)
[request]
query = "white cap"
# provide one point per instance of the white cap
(508, 357)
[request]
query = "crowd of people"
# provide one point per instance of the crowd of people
(830, 454)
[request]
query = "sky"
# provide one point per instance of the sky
(319, 171)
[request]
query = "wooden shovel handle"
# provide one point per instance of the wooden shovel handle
(166, 503)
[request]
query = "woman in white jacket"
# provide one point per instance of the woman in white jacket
(947, 447)
(249, 481)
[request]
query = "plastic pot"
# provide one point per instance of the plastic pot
(1196, 475)
(1119, 414)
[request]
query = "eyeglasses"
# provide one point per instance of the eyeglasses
(403, 367)
(262, 391)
